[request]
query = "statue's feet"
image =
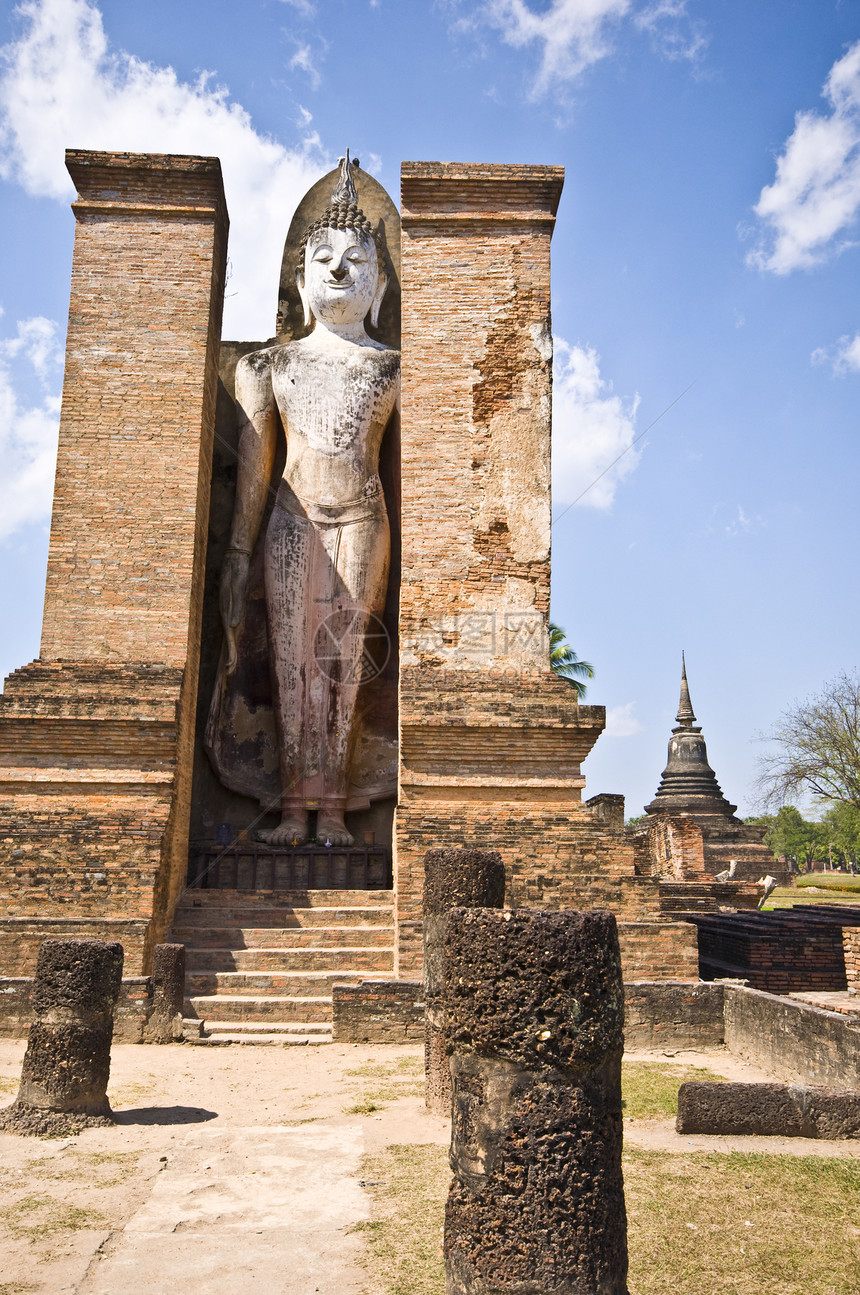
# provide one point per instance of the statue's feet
(292, 830)
(331, 829)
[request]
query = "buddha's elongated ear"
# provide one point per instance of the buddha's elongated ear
(377, 299)
(306, 305)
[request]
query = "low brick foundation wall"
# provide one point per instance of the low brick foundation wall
(20, 938)
(795, 1041)
(673, 1013)
(378, 1011)
(134, 1008)
(789, 951)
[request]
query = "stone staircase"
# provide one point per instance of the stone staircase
(261, 965)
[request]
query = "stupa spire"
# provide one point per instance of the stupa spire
(685, 716)
(689, 784)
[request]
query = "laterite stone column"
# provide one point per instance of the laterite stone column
(168, 994)
(67, 1063)
(452, 879)
(534, 1006)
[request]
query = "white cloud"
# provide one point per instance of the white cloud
(621, 722)
(742, 523)
(591, 428)
(815, 197)
(28, 426)
(672, 32)
(303, 60)
(844, 359)
(62, 85)
(572, 33)
(304, 8)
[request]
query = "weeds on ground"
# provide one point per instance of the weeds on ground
(40, 1218)
(737, 1224)
(649, 1089)
(404, 1244)
(741, 1224)
(403, 1077)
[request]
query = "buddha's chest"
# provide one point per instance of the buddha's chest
(333, 401)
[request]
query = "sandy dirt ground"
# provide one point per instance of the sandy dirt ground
(239, 1168)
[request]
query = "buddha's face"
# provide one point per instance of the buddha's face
(341, 281)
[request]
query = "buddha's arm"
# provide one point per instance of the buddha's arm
(257, 443)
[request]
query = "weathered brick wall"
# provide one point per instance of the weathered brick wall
(128, 527)
(133, 1009)
(378, 1011)
(658, 950)
(491, 742)
(20, 937)
(851, 950)
(477, 367)
(96, 737)
(792, 1040)
(672, 1013)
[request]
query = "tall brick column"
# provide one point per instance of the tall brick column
(491, 741)
(96, 736)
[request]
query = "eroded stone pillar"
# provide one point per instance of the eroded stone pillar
(168, 994)
(67, 1063)
(452, 879)
(534, 1013)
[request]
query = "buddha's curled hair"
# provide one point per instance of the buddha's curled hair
(344, 213)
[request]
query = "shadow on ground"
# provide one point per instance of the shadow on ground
(165, 1115)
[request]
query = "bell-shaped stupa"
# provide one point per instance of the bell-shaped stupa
(689, 784)
(690, 804)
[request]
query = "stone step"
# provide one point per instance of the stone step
(268, 983)
(279, 1034)
(296, 1029)
(287, 917)
(225, 1038)
(270, 1009)
(271, 937)
(250, 935)
(290, 960)
(266, 900)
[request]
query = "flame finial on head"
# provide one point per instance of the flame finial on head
(345, 190)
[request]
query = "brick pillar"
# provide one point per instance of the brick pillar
(490, 740)
(96, 737)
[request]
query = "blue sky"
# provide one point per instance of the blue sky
(707, 235)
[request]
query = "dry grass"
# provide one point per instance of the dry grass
(650, 1089)
(742, 1224)
(401, 1077)
(737, 1224)
(409, 1187)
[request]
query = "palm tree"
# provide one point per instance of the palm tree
(564, 661)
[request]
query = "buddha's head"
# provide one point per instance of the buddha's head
(341, 278)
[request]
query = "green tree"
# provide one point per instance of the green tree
(816, 748)
(566, 664)
(842, 823)
(789, 835)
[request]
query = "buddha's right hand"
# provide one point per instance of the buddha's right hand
(233, 593)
